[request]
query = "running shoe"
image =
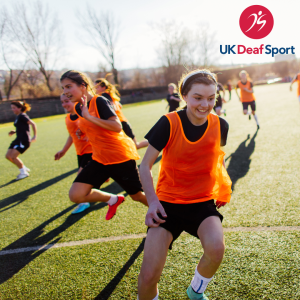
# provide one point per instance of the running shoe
(195, 296)
(80, 208)
(22, 176)
(112, 209)
(27, 170)
(258, 127)
(249, 117)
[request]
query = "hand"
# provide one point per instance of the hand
(152, 219)
(33, 139)
(172, 97)
(84, 108)
(59, 155)
(12, 132)
(79, 133)
(220, 203)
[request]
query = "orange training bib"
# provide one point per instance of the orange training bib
(298, 78)
(193, 172)
(109, 147)
(118, 109)
(246, 96)
(82, 145)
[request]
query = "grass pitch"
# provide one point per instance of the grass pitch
(265, 170)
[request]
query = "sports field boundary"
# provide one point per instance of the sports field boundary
(138, 236)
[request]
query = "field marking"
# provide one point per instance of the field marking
(137, 236)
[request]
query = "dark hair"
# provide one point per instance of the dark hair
(203, 76)
(21, 104)
(80, 79)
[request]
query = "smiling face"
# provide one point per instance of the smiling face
(200, 101)
(171, 89)
(16, 110)
(67, 104)
(243, 77)
(72, 90)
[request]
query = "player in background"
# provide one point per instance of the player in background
(296, 78)
(192, 176)
(229, 88)
(219, 99)
(109, 91)
(82, 146)
(173, 97)
(246, 95)
(22, 141)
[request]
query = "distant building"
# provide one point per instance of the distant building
(284, 57)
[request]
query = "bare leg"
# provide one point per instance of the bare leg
(155, 254)
(140, 197)
(211, 236)
(12, 155)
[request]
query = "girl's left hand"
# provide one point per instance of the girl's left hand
(220, 203)
(84, 108)
(33, 139)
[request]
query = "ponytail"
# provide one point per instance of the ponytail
(110, 88)
(25, 107)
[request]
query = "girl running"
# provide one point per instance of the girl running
(192, 176)
(23, 140)
(219, 103)
(296, 78)
(114, 154)
(229, 88)
(246, 95)
(173, 97)
(82, 146)
(109, 91)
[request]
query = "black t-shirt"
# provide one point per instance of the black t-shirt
(22, 127)
(173, 103)
(244, 83)
(73, 117)
(104, 107)
(159, 134)
(218, 96)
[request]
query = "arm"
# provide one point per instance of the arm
(175, 98)
(220, 203)
(34, 128)
(294, 80)
(113, 123)
(12, 132)
(148, 187)
(66, 147)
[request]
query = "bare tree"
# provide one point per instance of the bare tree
(173, 53)
(103, 31)
(12, 58)
(38, 32)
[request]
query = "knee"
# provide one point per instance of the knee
(136, 197)
(75, 196)
(7, 156)
(216, 252)
(148, 277)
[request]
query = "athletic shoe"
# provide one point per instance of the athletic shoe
(195, 296)
(27, 170)
(22, 176)
(112, 209)
(80, 208)
(249, 117)
(258, 127)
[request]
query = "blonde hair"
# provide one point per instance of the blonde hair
(174, 87)
(245, 72)
(110, 88)
(80, 79)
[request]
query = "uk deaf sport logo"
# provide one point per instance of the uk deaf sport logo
(256, 22)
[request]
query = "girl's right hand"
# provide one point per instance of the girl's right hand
(12, 132)
(79, 133)
(59, 155)
(152, 219)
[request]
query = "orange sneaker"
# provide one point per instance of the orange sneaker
(112, 209)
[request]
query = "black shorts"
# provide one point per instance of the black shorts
(126, 174)
(20, 146)
(187, 217)
(128, 130)
(252, 104)
(84, 159)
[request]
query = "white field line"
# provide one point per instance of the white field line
(136, 236)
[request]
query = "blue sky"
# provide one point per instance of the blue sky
(138, 42)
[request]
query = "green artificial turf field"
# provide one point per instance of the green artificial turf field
(265, 170)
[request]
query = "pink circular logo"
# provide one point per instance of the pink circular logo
(256, 22)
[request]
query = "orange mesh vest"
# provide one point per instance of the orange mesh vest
(298, 78)
(119, 112)
(245, 96)
(109, 147)
(82, 146)
(192, 172)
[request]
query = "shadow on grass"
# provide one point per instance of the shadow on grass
(8, 183)
(240, 160)
(108, 290)
(16, 199)
(11, 264)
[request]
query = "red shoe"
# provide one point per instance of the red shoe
(112, 209)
